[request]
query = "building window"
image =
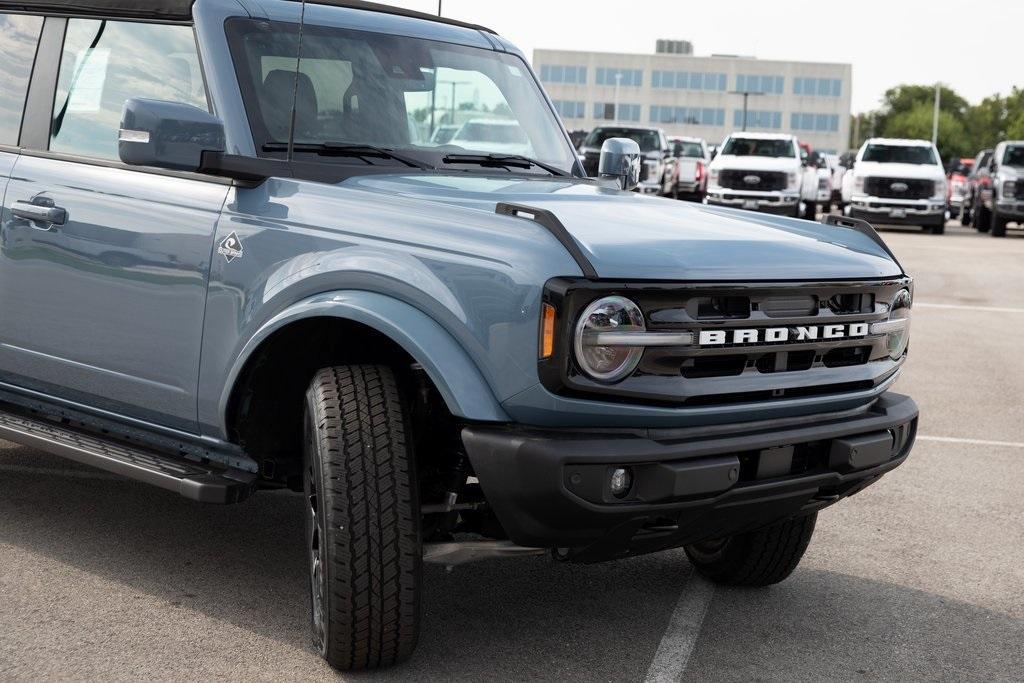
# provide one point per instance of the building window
(694, 116)
(818, 87)
(772, 85)
(573, 75)
(822, 123)
(570, 110)
(605, 111)
(770, 120)
(631, 78)
(685, 80)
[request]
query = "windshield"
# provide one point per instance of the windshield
(756, 147)
(689, 149)
(900, 154)
(404, 94)
(649, 140)
(1014, 156)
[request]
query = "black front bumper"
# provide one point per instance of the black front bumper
(548, 488)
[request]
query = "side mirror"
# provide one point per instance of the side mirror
(168, 135)
(620, 164)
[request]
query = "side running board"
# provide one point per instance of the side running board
(193, 480)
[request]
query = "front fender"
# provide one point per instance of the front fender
(456, 376)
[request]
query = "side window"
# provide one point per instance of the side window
(106, 62)
(19, 35)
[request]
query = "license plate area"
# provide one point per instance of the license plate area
(750, 204)
(898, 213)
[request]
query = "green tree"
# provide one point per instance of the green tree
(917, 123)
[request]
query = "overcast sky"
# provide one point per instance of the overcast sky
(975, 47)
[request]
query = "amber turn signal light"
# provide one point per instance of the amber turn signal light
(547, 331)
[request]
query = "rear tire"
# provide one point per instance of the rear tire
(965, 216)
(756, 558)
(362, 519)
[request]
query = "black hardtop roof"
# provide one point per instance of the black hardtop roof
(181, 10)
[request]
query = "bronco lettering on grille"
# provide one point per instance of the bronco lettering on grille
(782, 334)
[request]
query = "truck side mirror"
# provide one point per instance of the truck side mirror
(168, 135)
(620, 164)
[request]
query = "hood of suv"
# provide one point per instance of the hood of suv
(627, 236)
(915, 171)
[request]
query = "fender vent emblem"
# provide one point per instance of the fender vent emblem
(230, 248)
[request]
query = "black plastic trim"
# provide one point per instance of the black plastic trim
(523, 473)
(550, 221)
(35, 129)
(864, 228)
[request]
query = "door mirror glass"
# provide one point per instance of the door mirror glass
(620, 164)
(168, 135)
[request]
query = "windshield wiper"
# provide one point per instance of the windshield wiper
(337, 149)
(503, 160)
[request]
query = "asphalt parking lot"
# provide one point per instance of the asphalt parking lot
(921, 577)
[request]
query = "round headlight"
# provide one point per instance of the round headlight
(604, 362)
(899, 335)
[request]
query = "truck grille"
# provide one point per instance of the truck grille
(899, 188)
(755, 181)
(732, 372)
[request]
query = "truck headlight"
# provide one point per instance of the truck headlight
(1010, 189)
(897, 326)
(602, 362)
(794, 181)
(858, 183)
(940, 189)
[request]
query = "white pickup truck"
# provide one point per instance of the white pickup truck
(897, 182)
(757, 171)
(691, 171)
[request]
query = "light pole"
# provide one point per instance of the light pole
(746, 95)
(439, 7)
(615, 110)
(935, 114)
(454, 85)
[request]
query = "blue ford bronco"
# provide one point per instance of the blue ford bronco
(349, 250)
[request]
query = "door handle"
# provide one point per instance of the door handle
(40, 211)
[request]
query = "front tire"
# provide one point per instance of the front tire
(362, 518)
(998, 225)
(755, 558)
(810, 211)
(981, 218)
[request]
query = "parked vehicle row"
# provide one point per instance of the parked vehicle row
(993, 198)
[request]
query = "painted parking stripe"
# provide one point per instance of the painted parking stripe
(676, 647)
(958, 307)
(972, 442)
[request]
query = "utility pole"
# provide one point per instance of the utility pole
(935, 115)
(746, 96)
(618, 82)
(439, 7)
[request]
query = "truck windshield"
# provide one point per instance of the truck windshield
(757, 147)
(1014, 156)
(419, 97)
(691, 149)
(900, 154)
(649, 140)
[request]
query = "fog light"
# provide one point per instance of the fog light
(620, 481)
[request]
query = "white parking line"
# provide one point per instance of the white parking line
(684, 627)
(958, 307)
(971, 442)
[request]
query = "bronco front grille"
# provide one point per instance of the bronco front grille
(899, 188)
(755, 181)
(732, 369)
